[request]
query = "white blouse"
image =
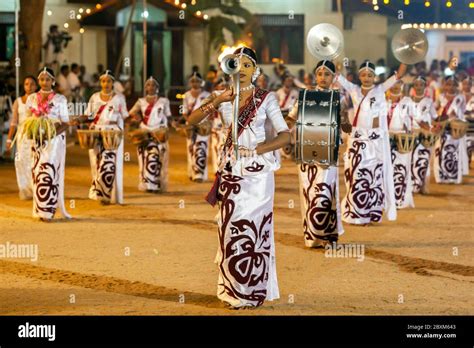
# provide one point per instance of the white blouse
(456, 106)
(58, 107)
(425, 111)
(470, 106)
(158, 115)
(255, 134)
(19, 116)
(402, 115)
(287, 100)
(373, 104)
(115, 111)
(190, 103)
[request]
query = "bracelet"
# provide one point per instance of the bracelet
(208, 108)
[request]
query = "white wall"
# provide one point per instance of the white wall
(439, 48)
(367, 39)
(94, 39)
(195, 46)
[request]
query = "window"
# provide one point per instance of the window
(7, 35)
(283, 39)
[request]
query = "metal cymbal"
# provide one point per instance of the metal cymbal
(409, 46)
(325, 41)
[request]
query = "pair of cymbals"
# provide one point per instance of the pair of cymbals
(325, 41)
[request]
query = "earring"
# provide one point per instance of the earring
(256, 74)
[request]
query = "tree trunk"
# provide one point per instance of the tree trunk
(31, 25)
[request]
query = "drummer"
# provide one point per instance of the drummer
(153, 112)
(450, 154)
(425, 113)
(401, 111)
(107, 111)
(319, 185)
(197, 144)
(368, 172)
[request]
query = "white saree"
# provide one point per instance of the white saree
(450, 155)
(246, 252)
(49, 160)
(368, 170)
(24, 154)
(319, 199)
(400, 117)
(197, 145)
(107, 165)
(425, 111)
(153, 158)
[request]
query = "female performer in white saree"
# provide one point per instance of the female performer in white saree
(197, 144)
(319, 185)
(107, 111)
(153, 157)
(450, 162)
(244, 189)
(218, 133)
(401, 111)
(23, 155)
(49, 157)
(425, 112)
(368, 169)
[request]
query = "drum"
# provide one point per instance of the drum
(404, 142)
(111, 139)
(88, 138)
(458, 128)
(160, 134)
(427, 138)
(438, 126)
(204, 128)
(317, 128)
(139, 137)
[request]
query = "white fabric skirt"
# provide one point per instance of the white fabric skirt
(246, 252)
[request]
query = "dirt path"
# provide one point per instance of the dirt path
(154, 255)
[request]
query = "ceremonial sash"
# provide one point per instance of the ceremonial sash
(446, 108)
(246, 115)
(99, 112)
(356, 118)
(285, 100)
(148, 112)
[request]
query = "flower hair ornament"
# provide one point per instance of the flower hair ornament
(256, 74)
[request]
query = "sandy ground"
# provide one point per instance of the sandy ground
(154, 255)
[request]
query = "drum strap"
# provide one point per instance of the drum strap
(99, 112)
(356, 118)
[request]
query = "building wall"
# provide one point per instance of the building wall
(94, 40)
(366, 40)
(195, 50)
(439, 48)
